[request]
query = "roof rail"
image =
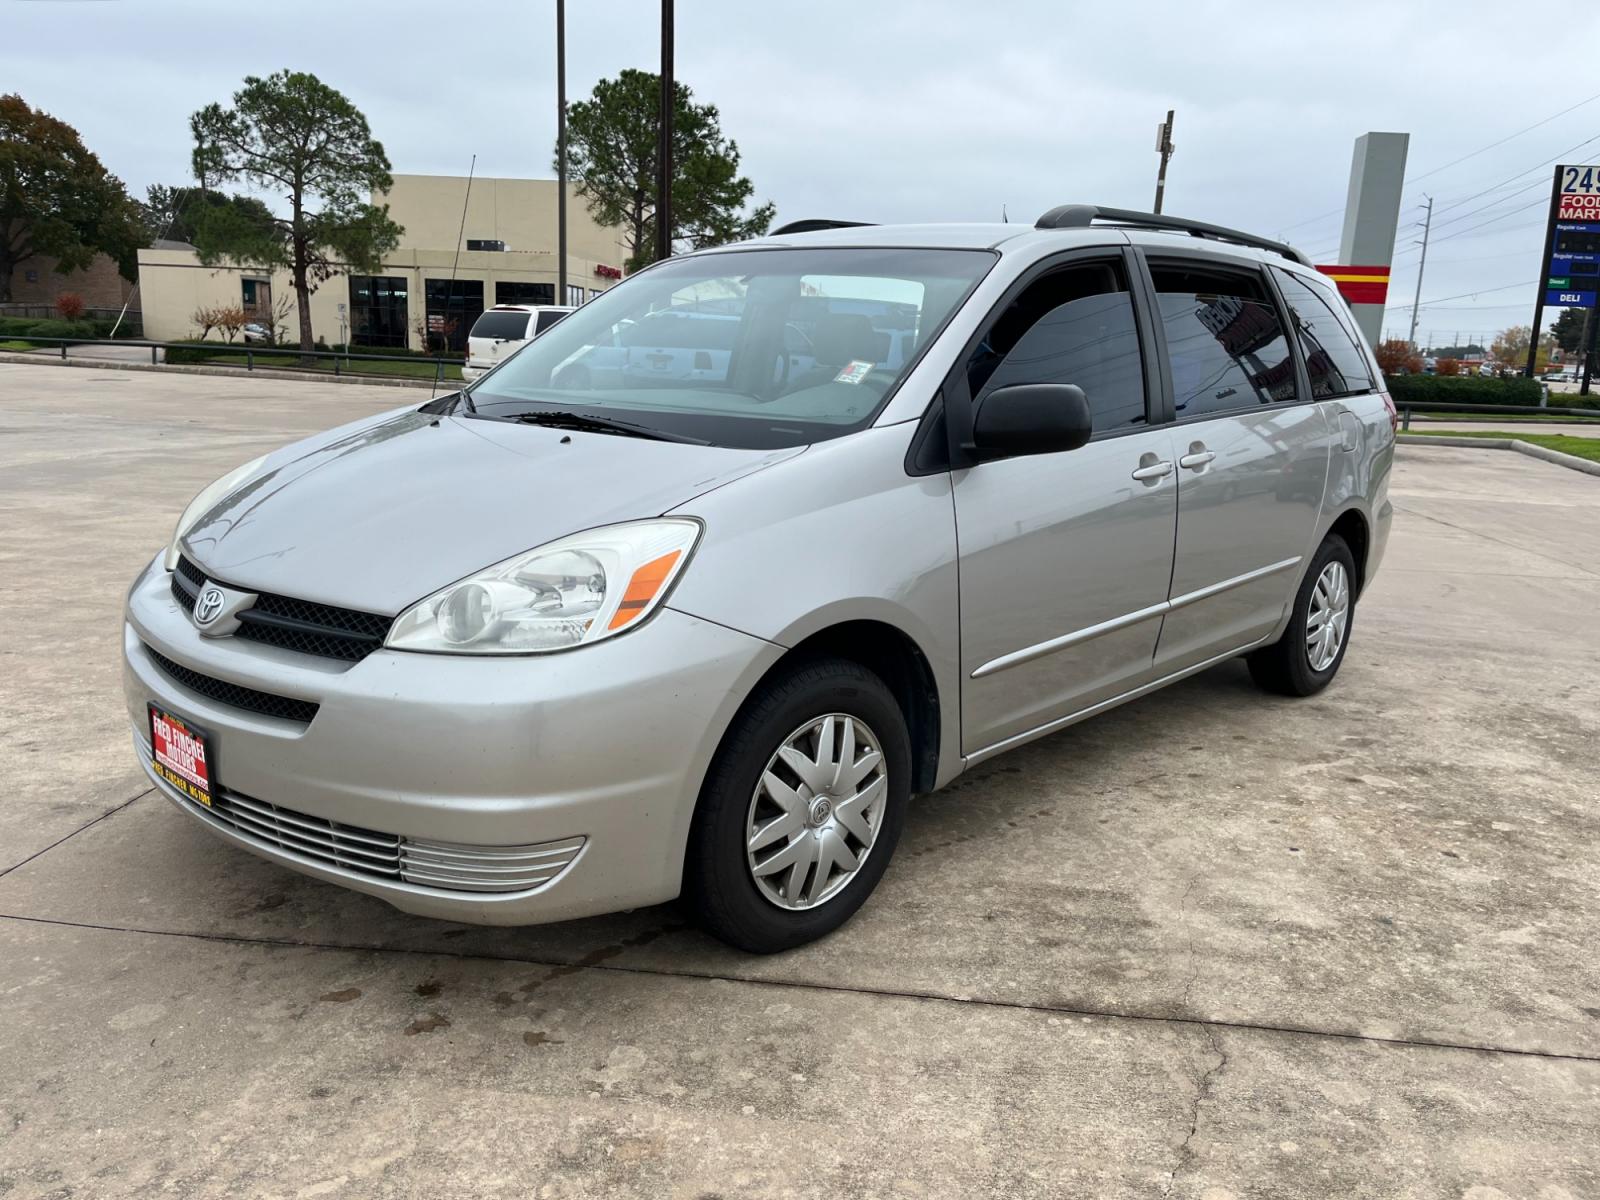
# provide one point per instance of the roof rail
(811, 226)
(1081, 216)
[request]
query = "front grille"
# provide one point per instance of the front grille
(437, 866)
(187, 581)
(299, 625)
(235, 695)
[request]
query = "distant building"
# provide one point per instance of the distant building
(508, 256)
(36, 283)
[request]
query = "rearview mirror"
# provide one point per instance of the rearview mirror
(1031, 418)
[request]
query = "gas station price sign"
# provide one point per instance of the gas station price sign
(1572, 274)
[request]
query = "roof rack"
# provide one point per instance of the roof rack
(1081, 216)
(811, 226)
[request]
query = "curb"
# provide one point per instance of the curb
(37, 360)
(1571, 461)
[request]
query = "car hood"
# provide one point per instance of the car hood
(380, 513)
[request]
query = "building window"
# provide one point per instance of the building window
(574, 295)
(524, 293)
(452, 308)
(378, 310)
(485, 244)
(256, 295)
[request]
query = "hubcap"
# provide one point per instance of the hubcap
(816, 811)
(1328, 616)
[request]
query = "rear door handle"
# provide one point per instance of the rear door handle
(1197, 457)
(1150, 472)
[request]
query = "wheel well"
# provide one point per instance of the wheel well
(900, 663)
(1352, 527)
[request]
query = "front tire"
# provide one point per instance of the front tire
(1306, 658)
(801, 809)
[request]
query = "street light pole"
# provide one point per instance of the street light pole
(561, 151)
(664, 148)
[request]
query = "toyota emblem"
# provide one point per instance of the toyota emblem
(208, 606)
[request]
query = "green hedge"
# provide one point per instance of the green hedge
(1464, 390)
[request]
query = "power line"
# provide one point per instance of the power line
(1482, 149)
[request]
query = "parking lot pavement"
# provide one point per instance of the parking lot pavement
(1211, 944)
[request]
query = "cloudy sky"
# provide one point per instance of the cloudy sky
(917, 111)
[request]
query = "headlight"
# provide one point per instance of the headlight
(206, 501)
(580, 589)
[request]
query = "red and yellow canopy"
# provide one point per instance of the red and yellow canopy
(1360, 285)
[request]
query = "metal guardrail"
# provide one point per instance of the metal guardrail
(249, 349)
(1516, 410)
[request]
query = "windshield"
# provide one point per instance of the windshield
(750, 348)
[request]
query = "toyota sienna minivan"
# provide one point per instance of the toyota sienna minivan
(568, 642)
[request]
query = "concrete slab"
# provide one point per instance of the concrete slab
(1393, 867)
(281, 1071)
(94, 468)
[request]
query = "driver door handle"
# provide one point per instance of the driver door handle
(1153, 471)
(1197, 457)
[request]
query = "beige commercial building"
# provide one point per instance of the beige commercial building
(507, 256)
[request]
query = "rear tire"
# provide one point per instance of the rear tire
(815, 774)
(1306, 658)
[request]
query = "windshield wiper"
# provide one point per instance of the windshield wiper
(593, 424)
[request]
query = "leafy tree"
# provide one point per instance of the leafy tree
(1568, 330)
(612, 142)
(1510, 348)
(1447, 366)
(1397, 357)
(57, 199)
(174, 213)
(293, 134)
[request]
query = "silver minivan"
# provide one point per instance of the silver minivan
(573, 641)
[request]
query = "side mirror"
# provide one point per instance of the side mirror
(1031, 418)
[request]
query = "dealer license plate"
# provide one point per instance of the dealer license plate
(182, 754)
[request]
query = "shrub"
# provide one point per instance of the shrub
(69, 305)
(198, 350)
(1448, 367)
(1464, 390)
(17, 326)
(54, 328)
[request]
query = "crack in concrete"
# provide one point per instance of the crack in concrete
(808, 985)
(68, 837)
(1205, 1090)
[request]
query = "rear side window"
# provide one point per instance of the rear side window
(501, 325)
(1336, 364)
(547, 319)
(1225, 341)
(1071, 326)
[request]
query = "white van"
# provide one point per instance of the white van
(500, 331)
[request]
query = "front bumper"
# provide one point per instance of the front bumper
(608, 743)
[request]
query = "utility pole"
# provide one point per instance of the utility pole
(664, 149)
(1164, 147)
(1422, 265)
(561, 151)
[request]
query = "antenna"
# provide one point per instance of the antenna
(438, 363)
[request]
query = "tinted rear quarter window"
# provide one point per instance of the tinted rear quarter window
(547, 319)
(501, 325)
(1336, 363)
(1225, 341)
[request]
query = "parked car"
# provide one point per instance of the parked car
(501, 331)
(558, 645)
(256, 333)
